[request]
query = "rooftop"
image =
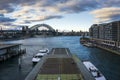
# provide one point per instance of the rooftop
(2, 46)
(59, 65)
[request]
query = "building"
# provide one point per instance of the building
(94, 31)
(101, 31)
(107, 34)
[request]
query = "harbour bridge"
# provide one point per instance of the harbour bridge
(26, 31)
(48, 31)
(42, 25)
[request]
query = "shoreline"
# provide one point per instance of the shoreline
(84, 40)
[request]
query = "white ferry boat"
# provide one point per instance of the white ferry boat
(94, 71)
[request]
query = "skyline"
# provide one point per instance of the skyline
(60, 14)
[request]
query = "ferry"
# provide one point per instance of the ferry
(39, 55)
(94, 71)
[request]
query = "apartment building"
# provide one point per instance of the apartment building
(94, 31)
(107, 34)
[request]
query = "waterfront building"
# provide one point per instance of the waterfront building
(91, 31)
(94, 31)
(101, 31)
(107, 34)
(112, 31)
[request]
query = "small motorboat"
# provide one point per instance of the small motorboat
(94, 71)
(44, 50)
(39, 55)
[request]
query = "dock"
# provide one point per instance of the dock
(9, 50)
(60, 64)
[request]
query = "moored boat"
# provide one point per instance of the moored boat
(94, 71)
(38, 56)
(89, 45)
(44, 50)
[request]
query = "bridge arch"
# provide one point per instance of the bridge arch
(40, 25)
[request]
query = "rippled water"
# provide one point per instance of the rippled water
(108, 63)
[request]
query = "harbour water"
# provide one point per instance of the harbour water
(108, 63)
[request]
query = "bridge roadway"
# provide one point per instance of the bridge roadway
(60, 64)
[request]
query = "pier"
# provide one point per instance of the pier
(60, 64)
(9, 50)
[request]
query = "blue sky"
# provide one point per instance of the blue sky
(60, 14)
(76, 22)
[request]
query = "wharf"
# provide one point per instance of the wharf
(9, 50)
(60, 64)
(4, 46)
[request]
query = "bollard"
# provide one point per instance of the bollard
(19, 63)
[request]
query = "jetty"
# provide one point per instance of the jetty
(60, 64)
(9, 50)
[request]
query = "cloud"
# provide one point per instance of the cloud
(107, 14)
(28, 11)
(40, 10)
(5, 22)
(5, 19)
(1, 15)
(69, 6)
(62, 5)
(6, 5)
(110, 3)
(59, 5)
(42, 18)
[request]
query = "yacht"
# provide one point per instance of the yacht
(94, 71)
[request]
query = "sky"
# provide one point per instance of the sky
(64, 15)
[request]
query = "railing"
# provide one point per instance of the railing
(85, 73)
(33, 74)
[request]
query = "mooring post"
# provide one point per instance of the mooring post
(19, 62)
